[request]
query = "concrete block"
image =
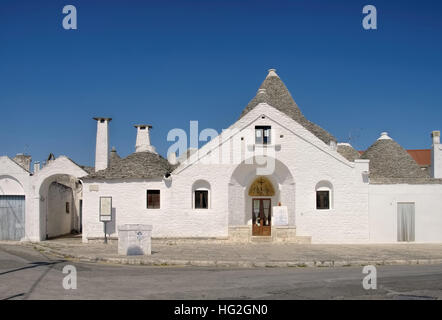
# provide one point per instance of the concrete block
(134, 239)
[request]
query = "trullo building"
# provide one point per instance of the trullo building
(271, 176)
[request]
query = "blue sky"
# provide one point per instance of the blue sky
(166, 63)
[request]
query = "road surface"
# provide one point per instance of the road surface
(28, 274)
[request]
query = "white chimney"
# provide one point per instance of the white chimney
(102, 146)
(36, 167)
(436, 156)
(143, 138)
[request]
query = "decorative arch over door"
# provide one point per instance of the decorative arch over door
(261, 187)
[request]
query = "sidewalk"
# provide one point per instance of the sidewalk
(208, 254)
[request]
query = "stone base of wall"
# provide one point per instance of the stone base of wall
(285, 234)
(237, 234)
(101, 240)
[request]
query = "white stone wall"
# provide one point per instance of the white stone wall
(383, 211)
(59, 222)
(14, 178)
(436, 161)
(175, 218)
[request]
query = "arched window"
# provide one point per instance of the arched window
(201, 195)
(324, 195)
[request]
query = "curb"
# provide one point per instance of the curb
(233, 264)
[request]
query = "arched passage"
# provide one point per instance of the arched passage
(58, 195)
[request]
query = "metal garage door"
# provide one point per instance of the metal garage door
(12, 217)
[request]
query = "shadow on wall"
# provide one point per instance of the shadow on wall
(135, 251)
(111, 225)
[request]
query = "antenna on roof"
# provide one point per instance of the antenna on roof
(354, 135)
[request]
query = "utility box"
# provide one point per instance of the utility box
(134, 239)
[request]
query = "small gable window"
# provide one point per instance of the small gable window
(153, 199)
(262, 134)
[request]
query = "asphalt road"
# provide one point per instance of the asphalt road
(28, 274)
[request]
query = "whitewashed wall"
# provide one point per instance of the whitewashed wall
(175, 218)
(59, 222)
(383, 211)
(14, 178)
(308, 160)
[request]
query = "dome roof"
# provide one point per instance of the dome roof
(138, 165)
(389, 160)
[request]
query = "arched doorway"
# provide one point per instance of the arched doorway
(58, 191)
(60, 197)
(244, 178)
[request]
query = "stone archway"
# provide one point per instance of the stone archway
(240, 202)
(58, 191)
(59, 205)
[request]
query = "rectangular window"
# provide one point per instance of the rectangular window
(322, 200)
(262, 135)
(201, 199)
(68, 206)
(153, 199)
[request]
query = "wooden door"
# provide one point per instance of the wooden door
(262, 217)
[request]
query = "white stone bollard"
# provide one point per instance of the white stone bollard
(134, 239)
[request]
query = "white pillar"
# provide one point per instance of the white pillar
(102, 146)
(436, 156)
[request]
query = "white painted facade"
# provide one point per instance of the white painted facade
(383, 204)
(298, 164)
(303, 163)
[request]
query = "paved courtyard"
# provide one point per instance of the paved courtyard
(212, 253)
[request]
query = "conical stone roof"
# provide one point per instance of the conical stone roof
(388, 160)
(113, 155)
(278, 96)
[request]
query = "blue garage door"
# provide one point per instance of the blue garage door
(12, 217)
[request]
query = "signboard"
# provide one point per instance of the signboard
(280, 216)
(105, 209)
